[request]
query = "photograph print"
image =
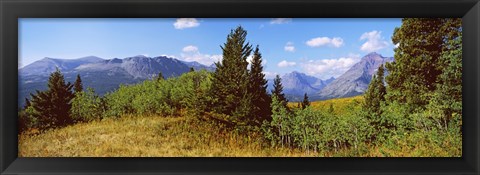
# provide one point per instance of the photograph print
(240, 87)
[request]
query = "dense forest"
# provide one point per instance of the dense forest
(412, 107)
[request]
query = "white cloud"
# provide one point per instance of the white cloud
(320, 41)
(280, 20)
(183, 23)
(289, 47)
(249, 59)
(324, 41)
(327, 68)
(285, 63)
(192, 53)
(204, 59)
(374, 41)
(169, 56)
(337, 42)
(270, 75)
(190, 48)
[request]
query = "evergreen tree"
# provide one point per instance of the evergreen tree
(192, 70)
(374, 97)
(53, 105)
(78, 86)
(375, 94)
(231, 78)
(417, 66)
(331, 109)
(370, 95)
(278, 91)
(447, 99)
(160, 76)
(258, 89)
(382, 90)
(27, 103)
(305, 102)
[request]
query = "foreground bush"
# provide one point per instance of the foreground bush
(87, 106)
(161, 97)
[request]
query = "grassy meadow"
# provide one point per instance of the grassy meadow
(339, 105)
(161, 136)
(148, 136)
(192, 136)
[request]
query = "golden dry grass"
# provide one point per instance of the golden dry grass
(340, 105)
(147, 136)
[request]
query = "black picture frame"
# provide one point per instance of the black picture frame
(11, 10)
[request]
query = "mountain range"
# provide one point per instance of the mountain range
(296, 84)
(105, 75)
(102, 75)
(355, 81)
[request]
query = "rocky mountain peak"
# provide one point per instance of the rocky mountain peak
(355, 81)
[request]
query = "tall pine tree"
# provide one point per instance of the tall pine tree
(278, 91)
(447, 99)
(78, 86)
(231, 78)
(305, 102)
(27, 103)
(258, 89)
(417, 66)
(53, 105)
(160, 76)
(375, 94)
(382, 90)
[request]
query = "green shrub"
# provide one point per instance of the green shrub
(162, 97)
(119, 102)
(87, 106)
(153, 98)
(26, 119)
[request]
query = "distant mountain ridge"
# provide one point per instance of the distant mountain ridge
(105, 75)
(101, 74)
(139, 67)
(198, 66)
(355, 81)
(48, 65)
(296, 84)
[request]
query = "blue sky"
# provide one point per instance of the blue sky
(318, 47)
